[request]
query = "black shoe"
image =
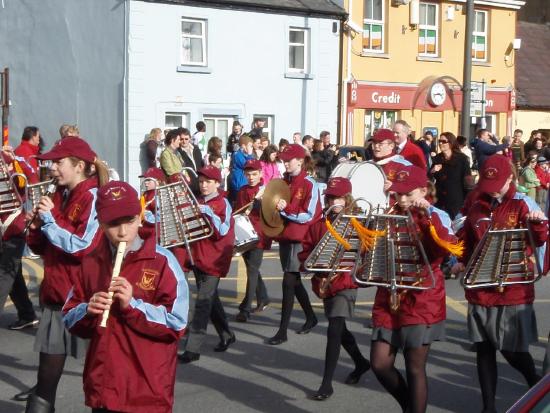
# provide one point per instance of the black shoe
(321, 395)
(307, 327)
(24, 395)
(37, 404)
(355, 375)
(21, 324)
(242, 317)
(188, 357)
(225, 343)
(276, 340)
(261, 306)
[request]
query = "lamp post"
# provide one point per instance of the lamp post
(467, 73)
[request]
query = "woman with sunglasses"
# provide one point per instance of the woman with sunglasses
(451, 171)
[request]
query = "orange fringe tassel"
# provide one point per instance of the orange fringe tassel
(19, 170)
(367, 236)
(457, 249)
(337, 236)
(142, 203)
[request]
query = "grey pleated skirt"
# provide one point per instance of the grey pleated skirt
(288, 254)
(506, 327)
(53, 338)
(341, 305)
(410, 336)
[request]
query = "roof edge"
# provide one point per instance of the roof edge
(236, 5)
(506, 4)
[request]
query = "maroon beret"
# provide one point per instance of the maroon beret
(116, 200)
(383, 134)
(253, 164)
(495, 172)
(408, 178)
(211, 172)
(338, 186)
(155, 173)
(70, 146)
(292, 151)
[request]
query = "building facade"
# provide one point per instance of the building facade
(189, 63)
(404, 60)
(117, 69)
(533, 79)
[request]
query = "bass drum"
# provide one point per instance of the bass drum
(367, 181)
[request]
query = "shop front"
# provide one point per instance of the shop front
(433, 104)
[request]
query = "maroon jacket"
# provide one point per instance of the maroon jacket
(343, 281)
(414, 154)
(246, 195)
(508, 214)
(419, 307)
(213, 255)
(303, 208)
(131, 363)
(69, 232)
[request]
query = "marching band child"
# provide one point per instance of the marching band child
(503, 321)
(148, 311)
(212, 257)
(299, 213)
(12, 283)
(338, 294)
(149, 207)
(420, 319)
(65, 230)
(250, 195)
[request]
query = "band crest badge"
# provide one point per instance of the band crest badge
(300, 193)
(147, 282)
(512, 220)
(491, 173)
(75, 212)
(402, 176)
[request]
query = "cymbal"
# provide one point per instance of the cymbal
(271, 219)
(270, 231)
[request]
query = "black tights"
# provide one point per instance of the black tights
(50, 369)
(412, 395)
(292, 286)
(337, 335)
(486, 357)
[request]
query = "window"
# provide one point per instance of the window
(220, 126)
(298, 53)
(373, 26)
(173, 120)
(268, 126)
(193, 42)
(428, 30)
(377, 119)
(479, 38)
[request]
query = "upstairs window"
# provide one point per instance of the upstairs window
(193, 42)
(479, 38)
(373, 26)
(298, 50)
(428, 30)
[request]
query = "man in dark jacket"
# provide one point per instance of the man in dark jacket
(325, 160)
(484, 147)
(192, 158)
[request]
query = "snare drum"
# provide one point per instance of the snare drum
(367, 181)
(246, 236)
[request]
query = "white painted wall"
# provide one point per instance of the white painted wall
(247, 57)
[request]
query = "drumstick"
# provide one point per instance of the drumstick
(243, 208)
(116, 271)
